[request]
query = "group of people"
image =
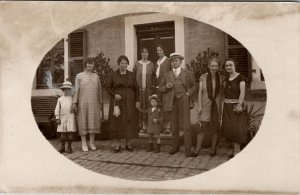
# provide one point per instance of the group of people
(155, 97)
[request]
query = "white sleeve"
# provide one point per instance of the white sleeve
(57, 109)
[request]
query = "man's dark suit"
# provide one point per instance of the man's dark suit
(179, 104)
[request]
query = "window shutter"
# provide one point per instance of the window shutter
(238, 52)
(77, 53)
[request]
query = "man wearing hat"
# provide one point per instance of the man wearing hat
(177, 86)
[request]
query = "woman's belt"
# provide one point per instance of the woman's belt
(231, 101)
(145, 89)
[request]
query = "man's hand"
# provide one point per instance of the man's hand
(118, 97)
(169, 85)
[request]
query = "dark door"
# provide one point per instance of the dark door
(152, 34)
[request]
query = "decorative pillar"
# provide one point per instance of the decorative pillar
(66, 58)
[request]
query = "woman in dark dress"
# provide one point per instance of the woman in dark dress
(123, 90)
(234, 114)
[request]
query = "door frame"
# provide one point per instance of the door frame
(131, 38)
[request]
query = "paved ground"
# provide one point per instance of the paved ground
(142, 165)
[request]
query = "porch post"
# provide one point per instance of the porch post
(66, 59)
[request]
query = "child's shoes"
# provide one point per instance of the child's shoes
(69, 148)
(62, 147)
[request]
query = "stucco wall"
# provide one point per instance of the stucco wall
(107, 36)
(199, 36)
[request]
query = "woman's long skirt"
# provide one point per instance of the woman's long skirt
(234, 124)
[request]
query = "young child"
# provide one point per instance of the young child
(65, 119)
(154, 121)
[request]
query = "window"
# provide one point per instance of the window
(50, 73)
(77, 53)
(238, 52)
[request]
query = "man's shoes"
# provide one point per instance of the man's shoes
(173, 151)
(117, 149)
(129, 148)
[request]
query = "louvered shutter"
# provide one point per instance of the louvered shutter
(238, 52)
(77, 53)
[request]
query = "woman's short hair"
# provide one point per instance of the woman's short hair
(214, 59)
(162, 47)
(88, 61)
(122, 57)
(230, 59)
(144, 48)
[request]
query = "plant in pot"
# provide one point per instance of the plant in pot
(254, 117)
(104, 70)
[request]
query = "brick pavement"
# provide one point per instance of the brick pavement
(142, 165)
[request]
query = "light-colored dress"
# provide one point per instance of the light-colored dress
(88, 96)
(206, 103)
(63, 112)
(145, 78)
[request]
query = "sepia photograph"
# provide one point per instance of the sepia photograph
(108, 96)
(149, 97)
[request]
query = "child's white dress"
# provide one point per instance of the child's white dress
(63, 112)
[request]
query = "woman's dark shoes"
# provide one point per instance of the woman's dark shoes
(230, 156)
(117, 149)
(195, 154)
(150, 147)
(157, 148)
(62, 150)
(212, 154)
(129, 148)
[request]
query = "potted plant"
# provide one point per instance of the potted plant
(254, 117)
(104, 70)
(200, 64)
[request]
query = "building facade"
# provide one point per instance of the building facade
(126, 34)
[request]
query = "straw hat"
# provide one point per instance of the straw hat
(67, 85)
(176, 55)
(154, 96)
